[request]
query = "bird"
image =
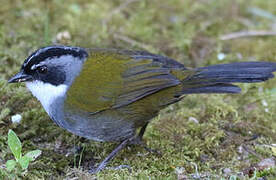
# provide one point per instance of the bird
(111, 95)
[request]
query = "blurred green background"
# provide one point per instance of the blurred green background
(203, 136)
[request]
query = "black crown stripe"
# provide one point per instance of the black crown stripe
(51, 52)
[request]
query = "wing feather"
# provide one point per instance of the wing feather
(125, 76)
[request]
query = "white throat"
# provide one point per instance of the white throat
(46, 93)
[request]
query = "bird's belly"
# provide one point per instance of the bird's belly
(116, 124)
(102, 126)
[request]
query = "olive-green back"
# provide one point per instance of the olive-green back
(115, 78)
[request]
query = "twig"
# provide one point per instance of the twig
(133, 42)
(243, 34)
(249, 150)
(117, 10)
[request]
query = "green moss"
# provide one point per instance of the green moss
(210, 132)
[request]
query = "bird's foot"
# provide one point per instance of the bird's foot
(153, 151)
(138, 141)
(135, 140)
(120, 167)
(110, 156)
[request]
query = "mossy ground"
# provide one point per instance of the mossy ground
(224, 131)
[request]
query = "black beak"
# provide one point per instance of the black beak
(20, 77)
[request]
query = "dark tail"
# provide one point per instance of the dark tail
(218, 78)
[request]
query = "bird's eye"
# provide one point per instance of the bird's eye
(42, 69)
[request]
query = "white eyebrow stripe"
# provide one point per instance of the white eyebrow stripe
(34, 66)
(34, 55)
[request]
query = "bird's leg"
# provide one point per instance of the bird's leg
(142, 131)
(133, 140)
(111, 156)
(139, 140)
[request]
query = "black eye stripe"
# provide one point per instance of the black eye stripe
(42, 69)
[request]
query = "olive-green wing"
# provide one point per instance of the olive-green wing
(112, 79)
(142, 78)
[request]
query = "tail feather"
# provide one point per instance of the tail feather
(216, 88)
(218, 78)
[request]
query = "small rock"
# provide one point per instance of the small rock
(265, 104)
(240, 149)
(65, 35)
(261, 89)
(192, 119)
(16, 118)
(221, 56)
(182, 177)
(267, 163)
(227, 171)
(180, 172)
(243, 153)
(239, 56)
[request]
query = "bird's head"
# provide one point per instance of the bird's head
(49, 71)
